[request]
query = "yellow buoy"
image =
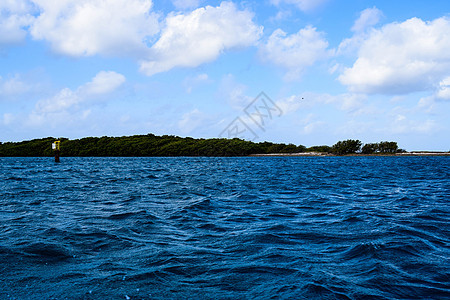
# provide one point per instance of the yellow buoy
(56, 145)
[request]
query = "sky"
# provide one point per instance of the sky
(310, 72)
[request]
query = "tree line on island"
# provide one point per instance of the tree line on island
(152, 145)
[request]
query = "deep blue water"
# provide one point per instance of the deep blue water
(225, 228)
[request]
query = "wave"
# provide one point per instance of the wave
(225, 228)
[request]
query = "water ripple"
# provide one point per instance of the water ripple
(225, 228)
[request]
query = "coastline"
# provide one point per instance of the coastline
(315, 154)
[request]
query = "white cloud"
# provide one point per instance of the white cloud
(291, 104)
(105, 82)
(304, 5)
(234, 93)
(13, 86)
(361, 28)
(351, 102)
(15, 16)
(403, 125)
(282, 15)
(63, 100)
(311, 124)
(354, 104)
(128, 28)
(89, 27)
(295, 52)
(191, 121)
(356, 116)
(401, 58)
(15, 6)
(185, 4)
(444, 89)
(427, 105)
(191, 82)
(350, 46)
(200, 37)
(368, 17)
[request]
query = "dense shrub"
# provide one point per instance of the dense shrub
(382, 147)
(346, 147)
(145, 145)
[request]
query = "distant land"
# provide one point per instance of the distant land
(412, 153)
(168, 145)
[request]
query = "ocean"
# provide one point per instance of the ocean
(225, 228)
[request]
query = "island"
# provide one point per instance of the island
(169, 145)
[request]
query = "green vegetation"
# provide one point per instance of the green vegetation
(355, 146)
(346, 147)
(382, 147)
(152, 145)
(146, 145)
(324, 149)
(39, 147)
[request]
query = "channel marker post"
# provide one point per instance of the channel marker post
(56, 146)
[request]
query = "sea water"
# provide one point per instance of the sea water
(225, 228)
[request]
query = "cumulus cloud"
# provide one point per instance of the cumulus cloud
(368, 17)
(90, 27)
(189, 40)
(401, 58)
(15, 16)
(130, 28)
(303, 5)
(61, 101)
(444, 89)
(105, 82)
(70, 107)
(295, 52)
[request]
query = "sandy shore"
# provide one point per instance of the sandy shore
(294, 154)
(425, 153)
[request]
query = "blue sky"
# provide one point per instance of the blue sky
(330, 70)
